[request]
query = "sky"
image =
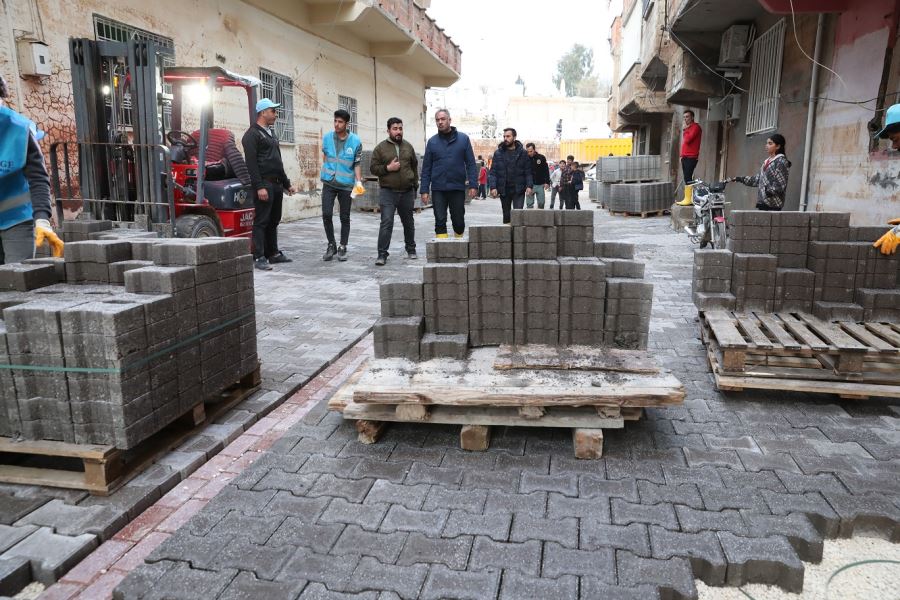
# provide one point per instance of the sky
(503, 39)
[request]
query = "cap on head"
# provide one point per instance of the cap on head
(265, 103)
(891, 122)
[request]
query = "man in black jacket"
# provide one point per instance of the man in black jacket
(510, 176)
(540, 177)
(269, 182)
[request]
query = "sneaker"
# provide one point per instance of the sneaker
(458, 235)
(262, 264)
(411, 255)
(380, 261)
(279, 258)
(342, 253)
(330, 252)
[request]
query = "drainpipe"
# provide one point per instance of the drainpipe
(811, 114)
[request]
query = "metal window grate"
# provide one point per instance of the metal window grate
(110, 30)
(280, 89)
(765, 80)
(349, 104)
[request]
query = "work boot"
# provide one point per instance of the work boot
(442, 236)
(457, 235)
(262, 264)
(279, 258)
(688, 196)
(330, 252)
(411, 255)
(381, 260)
(342, 253)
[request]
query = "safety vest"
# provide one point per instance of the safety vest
(15, 199)
(339, 169)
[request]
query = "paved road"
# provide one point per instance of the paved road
(726, 488)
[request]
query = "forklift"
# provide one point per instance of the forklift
(135, 164)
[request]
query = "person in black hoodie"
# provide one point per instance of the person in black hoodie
(540, 175)
(510, 177)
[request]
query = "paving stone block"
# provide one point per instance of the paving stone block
(813, 505)
(471, 501)
(355, 541)
(558, 561)
(694, 521)
(608, 249)
(528, 527)
(596, 509)
(246, 586)
(566, 484)
(515, 585)
(701, 549)
(10, 536)
(367, 516)
(502, 502)
(769, 560)
(625, 513)
(686, 494)
(405, 581)
(634, 538)
(674, 576)
(798, 530)
(402, 519)
(443, 346)
(409, 496)
(454, 553)
(328, 569)
(865, 513)
(66, 519)
(52, 555)
(24, 277)
(488, 554)
(15, 574)
(464, 585)
(263, 561)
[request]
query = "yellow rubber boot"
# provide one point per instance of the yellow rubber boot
(457, 235)
(688, 196)
(442, 236)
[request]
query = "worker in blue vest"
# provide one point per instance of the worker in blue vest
(341, 173)
(24, 188)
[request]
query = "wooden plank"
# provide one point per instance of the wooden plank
(584, 358)
(803, 333)
(453, 415)
(613, 396)
(874, 342)
(812, 386)
(733, 360)
(787, 341)
(344, 394)
(725, 332)
(885, 332)
(752, 330)
(412, 412)
(368, 432)
(588, 443)
(475, 438)
(57, 478)
(833, 335)
(51, 448)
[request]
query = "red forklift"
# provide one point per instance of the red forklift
(133, 162)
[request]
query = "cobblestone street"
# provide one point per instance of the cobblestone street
(728, 488)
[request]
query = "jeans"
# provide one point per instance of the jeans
(509, 201)
(391, 201)
(687, 168)
(538, 194)
(455, 200)
(343, 196)
(553, 194)
(482, 190)
(266, 217)
(17, 243)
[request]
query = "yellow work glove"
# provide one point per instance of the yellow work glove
(358, 190)
(889, 242)
(43, 234)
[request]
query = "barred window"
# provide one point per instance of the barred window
(349, 104)
(765, 80)
(280, 89)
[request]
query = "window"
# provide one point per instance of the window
(349, 104)
(648, 4)
(109, 30)
(631, 43)
(280, 89)
(765, 80)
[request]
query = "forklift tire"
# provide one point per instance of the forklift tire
(195, 226)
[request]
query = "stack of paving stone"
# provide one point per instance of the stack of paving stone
(808, 262)
(640, 197)
(632, 184)
(612, 169)
(107, 363)
(542, 281)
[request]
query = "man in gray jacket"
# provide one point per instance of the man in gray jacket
(395, 164)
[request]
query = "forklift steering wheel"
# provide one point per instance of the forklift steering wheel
(176, 137)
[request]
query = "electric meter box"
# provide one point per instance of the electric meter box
(34, 58)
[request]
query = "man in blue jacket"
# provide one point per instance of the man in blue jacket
(511, 175)
(448, 169)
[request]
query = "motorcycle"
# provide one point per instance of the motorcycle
(709, 226)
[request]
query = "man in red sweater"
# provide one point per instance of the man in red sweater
(690, 152)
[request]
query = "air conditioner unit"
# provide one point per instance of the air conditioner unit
(735, 44)
(724, 109)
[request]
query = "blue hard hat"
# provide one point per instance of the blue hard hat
(891, 120)
(265, 103)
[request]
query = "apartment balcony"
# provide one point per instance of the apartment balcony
(636, 98)
(397, 32)
(689, 82)
(656, 46)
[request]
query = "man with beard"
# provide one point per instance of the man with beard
(395, 164)
(540, 175)
(511, 174)
(448, 170)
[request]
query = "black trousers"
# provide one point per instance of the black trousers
(482, 190)
(343, 197)
(508, 202)
(455, 201)
(568, 197)
(391, 201)
(687, 168)
(266, 217)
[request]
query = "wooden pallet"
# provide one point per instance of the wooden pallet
(101, 469)
(642, 214)
(799, 352)
(584, 390)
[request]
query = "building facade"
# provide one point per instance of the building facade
(821, 73)
(375, 58)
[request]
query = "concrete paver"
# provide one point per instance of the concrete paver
(527, 478)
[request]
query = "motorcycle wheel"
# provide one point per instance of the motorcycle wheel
(703, 244)
(718, 236)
